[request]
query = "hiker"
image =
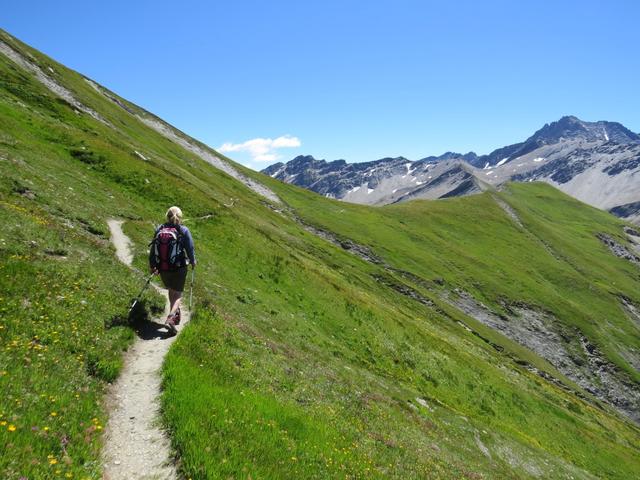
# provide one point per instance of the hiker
(172, 245)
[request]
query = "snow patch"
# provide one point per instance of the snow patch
(354, 189)
(486, 165)
(369, 190)
(539, 159)
(278, 172)
(502, 162)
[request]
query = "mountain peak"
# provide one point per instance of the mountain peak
(304, 158)
(571, 127)
(559, 151)
(570, 118)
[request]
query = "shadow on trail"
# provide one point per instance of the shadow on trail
(151, 330)
(140, 321)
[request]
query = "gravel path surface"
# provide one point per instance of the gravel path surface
(135, 446)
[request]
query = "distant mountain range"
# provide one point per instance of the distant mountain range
(596, 162)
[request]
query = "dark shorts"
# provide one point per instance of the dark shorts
(174, 279)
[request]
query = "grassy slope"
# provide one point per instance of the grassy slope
(470, 243)
(298, 363)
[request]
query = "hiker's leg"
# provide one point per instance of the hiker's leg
(174, 300)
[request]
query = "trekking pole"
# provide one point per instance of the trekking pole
(193, 272)
(140, 294)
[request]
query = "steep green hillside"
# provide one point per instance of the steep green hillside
(302, 360)
(549, 257)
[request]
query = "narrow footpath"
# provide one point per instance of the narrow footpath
(135, 446)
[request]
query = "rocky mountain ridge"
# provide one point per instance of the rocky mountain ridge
(596, 162)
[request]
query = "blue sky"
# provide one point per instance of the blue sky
(358, 80)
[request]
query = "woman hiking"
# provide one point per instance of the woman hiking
(171, 247)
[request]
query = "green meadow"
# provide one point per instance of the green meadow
(299, 361)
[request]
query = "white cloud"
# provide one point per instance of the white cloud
(286, 142)
(262, 149)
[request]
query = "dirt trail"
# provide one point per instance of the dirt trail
(135, 445)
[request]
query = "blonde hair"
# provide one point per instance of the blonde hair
(174, 215)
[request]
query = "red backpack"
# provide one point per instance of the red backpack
(167, 252)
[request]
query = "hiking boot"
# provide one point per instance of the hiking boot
(171, 325)
(177, 317)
